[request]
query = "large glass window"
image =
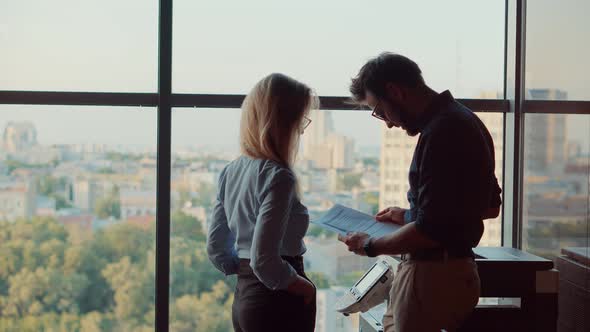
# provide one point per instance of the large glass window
(70, 45)
(557, 177)
(77, 211)
(225, 47)
(345, 157)
(203, 142)
(556, 199)
(78, 183)
(556, 49)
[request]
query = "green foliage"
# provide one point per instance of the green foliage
(372, 199)
(50, 186)
(109, 206)
(558, 229)
(186, 226)
(206, 195)
(61, 202)
(116, 156)
(317, 231)
(349, 279)
(319, 280)
(106, 283)
(133, 288)
(349, 181)
(211, 311)
(11, 165)
(118, 241)
(371, 162)
(105, 170)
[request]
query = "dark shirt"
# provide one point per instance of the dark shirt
(452, 180)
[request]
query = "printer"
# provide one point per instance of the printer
(370, 290)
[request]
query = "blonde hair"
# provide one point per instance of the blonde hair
(272, 115)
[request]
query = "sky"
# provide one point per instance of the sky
(226, 46)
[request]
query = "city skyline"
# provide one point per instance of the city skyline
(189, 129)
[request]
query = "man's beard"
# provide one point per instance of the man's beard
(407, 122)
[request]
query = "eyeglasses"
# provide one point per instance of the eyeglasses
(377, 114)
(306, 122)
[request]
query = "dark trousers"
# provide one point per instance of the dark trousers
(259, 309)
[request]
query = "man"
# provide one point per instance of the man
(452, 190)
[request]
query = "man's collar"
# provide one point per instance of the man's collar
(439, 101)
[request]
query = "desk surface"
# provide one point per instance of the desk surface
(508, 257)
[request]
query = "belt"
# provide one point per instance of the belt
(438, 254)
(295, 261)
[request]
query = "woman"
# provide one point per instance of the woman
(258, 221)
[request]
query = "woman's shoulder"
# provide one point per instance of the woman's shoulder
(273, 172)
(266, 169)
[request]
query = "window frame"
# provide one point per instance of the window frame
(514, 106)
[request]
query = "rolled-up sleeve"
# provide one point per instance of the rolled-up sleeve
(271, 222)
(410, 214)
(220, 239)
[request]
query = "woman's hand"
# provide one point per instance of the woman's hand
(302, 287)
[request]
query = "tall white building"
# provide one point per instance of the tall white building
(327, 318)
(17, 200)
(137, 203)
(342, 151)
(325, 148)
(397, 150)
(546, 142)
(86, 193)
(319, 130)
(19, 136)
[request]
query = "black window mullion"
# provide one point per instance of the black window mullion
(163, 166)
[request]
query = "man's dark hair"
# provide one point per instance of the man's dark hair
(387, 67)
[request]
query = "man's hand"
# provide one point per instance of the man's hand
(393, 215)
(355, 242)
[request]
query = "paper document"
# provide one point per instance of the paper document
(343, 220)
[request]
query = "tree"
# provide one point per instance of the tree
(206, 195)
(133, 287)
(350, 279)
(43, 290)
(49, 282)
(83, 260)
(190, 269)
(61, 202)
(186, 226)
(350, 180)
(184, 196)
(371, 161)
(54, 187)
(105, 170)
(109, 206)
(211, 311)
(10, 263)
(118, 241)
(372, 199)
(96, 322)
(11, 165)
(47, 185)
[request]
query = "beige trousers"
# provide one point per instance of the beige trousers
(432, 295)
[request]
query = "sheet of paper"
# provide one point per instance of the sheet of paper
(343, 220)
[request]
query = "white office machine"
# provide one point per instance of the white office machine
(370, 290)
